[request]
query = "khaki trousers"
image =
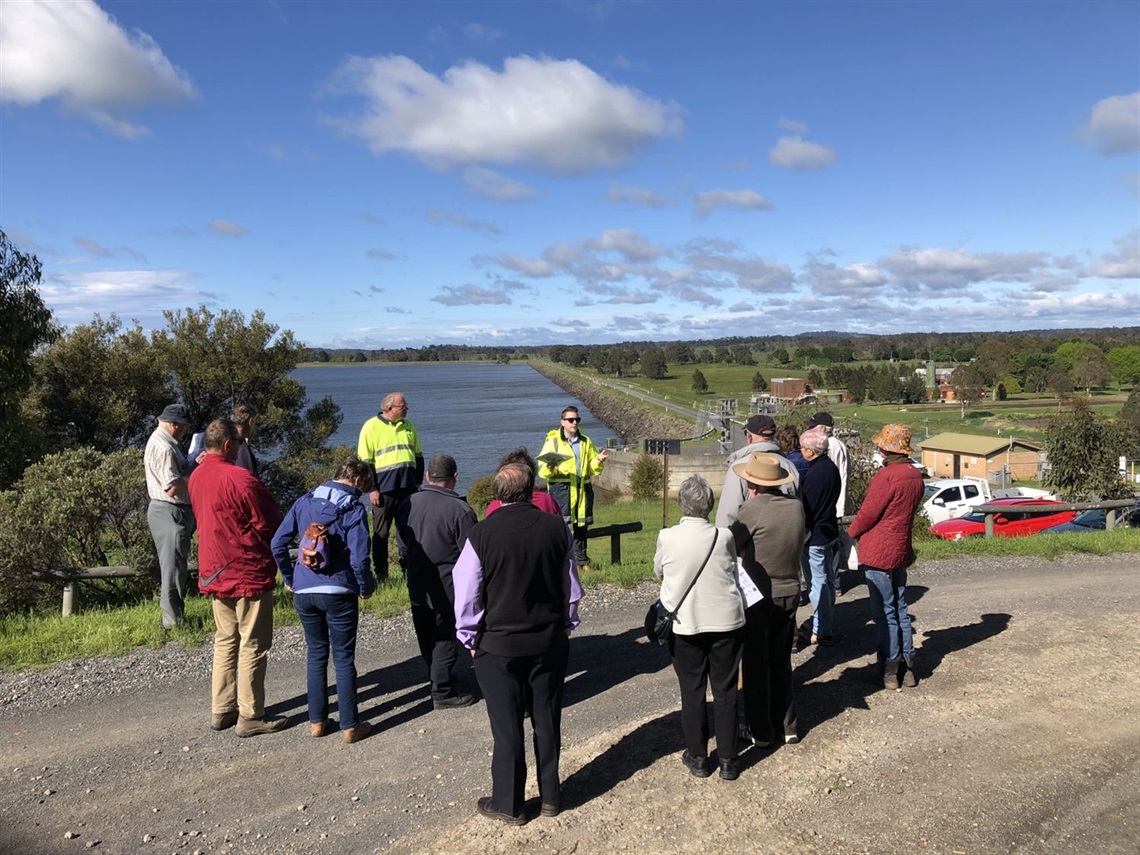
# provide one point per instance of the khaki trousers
(243, 636)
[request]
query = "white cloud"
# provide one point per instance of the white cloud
(92, 247)
(939, 269)
(76, 52)
(740, 200)
(791, 126)
(751, 273)
(642, 196)
(99, 251)
(627, 243)
(477, 32)
(556, 114)
(801, 155)
(853, 279)
(742, 307)
(436, 215)
(533, 267)
(1114, 124)
(491, 185)
(473, 295)
(634, 298)
(227, 228)
(1122, 264)
(135, 294)
(382, 255)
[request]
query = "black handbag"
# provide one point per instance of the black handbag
(659, 620)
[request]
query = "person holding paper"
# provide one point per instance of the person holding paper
(696, 564)
(769, 536)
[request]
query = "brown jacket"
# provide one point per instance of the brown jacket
(769, 534)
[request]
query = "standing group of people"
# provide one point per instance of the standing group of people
(735, 587)
(503, 591)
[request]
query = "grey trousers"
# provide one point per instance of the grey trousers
(171, 526)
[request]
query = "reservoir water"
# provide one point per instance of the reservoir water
(473, 411)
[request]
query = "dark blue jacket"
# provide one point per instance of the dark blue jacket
(819, 489)
(338, 506)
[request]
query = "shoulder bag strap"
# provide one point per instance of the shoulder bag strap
(708, 555)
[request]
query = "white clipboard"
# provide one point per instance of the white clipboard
(748, 590)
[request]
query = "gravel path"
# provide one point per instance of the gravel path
(1023, 737)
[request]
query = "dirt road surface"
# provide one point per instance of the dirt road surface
(1022, 737)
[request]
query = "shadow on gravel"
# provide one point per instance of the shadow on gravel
(600, 662)
(938, 643)
(401, 682)
(817, 701)
(636, 750)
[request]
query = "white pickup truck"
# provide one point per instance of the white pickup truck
(953, 497)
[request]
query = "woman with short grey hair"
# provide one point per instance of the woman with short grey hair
(705, 645)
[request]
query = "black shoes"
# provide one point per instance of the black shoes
(698, 766)
(730, 769)
(550, 810)
(454, 702)
(486, 807)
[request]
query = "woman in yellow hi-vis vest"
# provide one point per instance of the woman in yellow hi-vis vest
(567, 462)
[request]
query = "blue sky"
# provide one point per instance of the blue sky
(392, 174)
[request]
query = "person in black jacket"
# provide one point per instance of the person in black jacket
(432, 526)
(820, 488)
(516, 603)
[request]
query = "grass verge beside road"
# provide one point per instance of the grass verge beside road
(28, 641)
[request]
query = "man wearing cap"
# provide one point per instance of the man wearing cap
(759, 434)
(390, 443)
(433, 524)
(169, 515)
(819, 490)
(837, 454)
(769, 536)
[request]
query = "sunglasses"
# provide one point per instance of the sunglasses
(571, 419)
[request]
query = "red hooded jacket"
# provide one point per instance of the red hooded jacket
(883, 524)
(236, 518)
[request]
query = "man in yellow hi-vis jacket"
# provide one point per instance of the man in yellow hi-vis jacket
(390, 444)
(567, 462)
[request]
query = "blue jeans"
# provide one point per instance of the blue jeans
(823, 565)
(887, 591)
(330, 619)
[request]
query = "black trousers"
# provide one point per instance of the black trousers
(708, 658)
(383, 515)
(503, 681)
(435, 632)
(766, 666)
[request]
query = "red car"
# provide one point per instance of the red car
(1012, 523)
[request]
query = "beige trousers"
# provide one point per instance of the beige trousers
(242, 640)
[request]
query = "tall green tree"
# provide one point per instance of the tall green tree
(1125, 363)
(653, 363)
(968, 386)
(25, 324)
(1091, 368)
(218, 360)
(1083, 454)
(759, 384)
(99, 385)
(700, 384)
